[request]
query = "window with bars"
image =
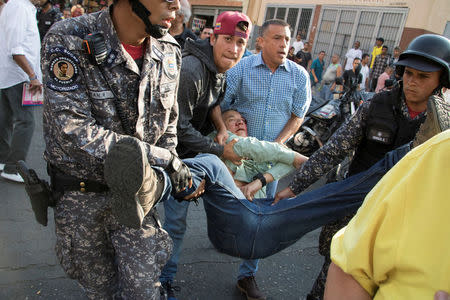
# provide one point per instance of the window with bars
(340, 27)
(299, 19)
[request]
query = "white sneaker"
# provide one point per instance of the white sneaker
(2, 166)
(14, 177)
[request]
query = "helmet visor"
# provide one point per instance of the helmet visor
(419, 63)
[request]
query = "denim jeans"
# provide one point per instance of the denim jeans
(326, 93)
(175, 224)
(257, 229)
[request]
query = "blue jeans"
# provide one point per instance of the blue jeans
(326, 93)
(175, 224)
(257, 229)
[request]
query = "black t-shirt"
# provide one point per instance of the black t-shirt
(305, 57)
(350, 78)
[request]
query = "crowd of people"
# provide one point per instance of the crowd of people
(376, 67)
(139, 110)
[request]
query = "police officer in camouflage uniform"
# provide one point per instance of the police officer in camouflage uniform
(389, 120)
(119, 88)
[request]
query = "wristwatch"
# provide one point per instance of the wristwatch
(32, 77)
(174, 165)
(261, 178)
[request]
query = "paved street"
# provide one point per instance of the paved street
(29, 268)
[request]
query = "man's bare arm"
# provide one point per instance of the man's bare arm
(341, 285)
(22, 62)
(216, 118)
(291, 127)
(249, 190)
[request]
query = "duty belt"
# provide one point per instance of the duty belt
(61, 182)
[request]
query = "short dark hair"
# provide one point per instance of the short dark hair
(364, 55)
(267, 23)
(62, 63)
(380, 39)
(322, 51)
(384, 46)
(356, 58)
(397, 48)
(206, 27)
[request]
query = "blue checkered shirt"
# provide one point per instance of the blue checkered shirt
(267, 99)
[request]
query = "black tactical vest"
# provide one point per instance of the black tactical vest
(386, 128)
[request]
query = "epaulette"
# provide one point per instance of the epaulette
(169, 39)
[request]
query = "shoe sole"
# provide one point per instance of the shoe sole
(244, 292)
(124, 172)
(4, 176)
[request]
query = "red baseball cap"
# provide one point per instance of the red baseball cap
(227, 21)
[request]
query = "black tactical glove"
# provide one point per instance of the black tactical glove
(179, 174)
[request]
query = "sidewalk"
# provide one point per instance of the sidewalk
(29, 268)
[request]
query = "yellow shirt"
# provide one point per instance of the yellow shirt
(376, 51)
(398, 244)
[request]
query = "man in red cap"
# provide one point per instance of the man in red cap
(202, 86)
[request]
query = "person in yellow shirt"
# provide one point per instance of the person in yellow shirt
(376, 50)
(397, 245)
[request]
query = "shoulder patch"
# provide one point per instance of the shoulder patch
(63, 70)
(170, 65)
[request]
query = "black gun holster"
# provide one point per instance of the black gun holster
(38, 191)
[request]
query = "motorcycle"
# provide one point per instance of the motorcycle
(325, 117)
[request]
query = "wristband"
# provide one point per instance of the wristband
(261, 178)
(33, 77)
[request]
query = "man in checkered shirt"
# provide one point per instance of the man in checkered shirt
(272, 93)
(379, 65)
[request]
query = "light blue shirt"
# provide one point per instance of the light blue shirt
(265, 99)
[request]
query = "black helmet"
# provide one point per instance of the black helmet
(428, 52)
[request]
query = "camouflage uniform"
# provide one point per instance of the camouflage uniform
(81, 123)
(344, 142)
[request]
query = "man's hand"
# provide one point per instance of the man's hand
(441, 295)
(286, 193)
(179, 174)
(299, 160)
(198, 192)
(249, 190)
(228, 153)
(35, 87)
(221, 137)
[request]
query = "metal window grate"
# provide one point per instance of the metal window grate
(340, 27)
(365, 29)
(343, 34)
(292, 18)
(324, 38)
(281, 13)
(389, 29)
(270, 13)
(304, 21)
